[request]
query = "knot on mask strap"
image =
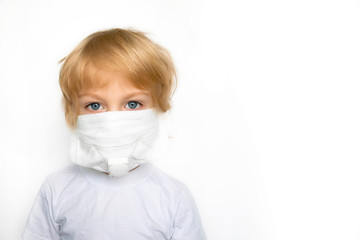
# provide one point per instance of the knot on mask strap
(118, 166)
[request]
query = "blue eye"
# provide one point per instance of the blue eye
(132, 105)
(94, 106)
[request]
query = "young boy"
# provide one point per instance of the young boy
(115, 83)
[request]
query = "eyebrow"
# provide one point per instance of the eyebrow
(130, 95)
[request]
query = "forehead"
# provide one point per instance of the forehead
(97, 78)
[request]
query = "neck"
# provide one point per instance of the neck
(129, 171)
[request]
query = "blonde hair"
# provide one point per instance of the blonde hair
(148, 65)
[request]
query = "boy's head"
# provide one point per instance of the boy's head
(130, 53)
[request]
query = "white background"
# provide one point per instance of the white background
(265, 122)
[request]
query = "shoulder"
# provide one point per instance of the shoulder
(57, 182)
(64, 175)
(166, 181)
(168, 187)
(167, 190)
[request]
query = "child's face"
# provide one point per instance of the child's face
(119, 94)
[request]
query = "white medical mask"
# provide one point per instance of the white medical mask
(114, 142)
